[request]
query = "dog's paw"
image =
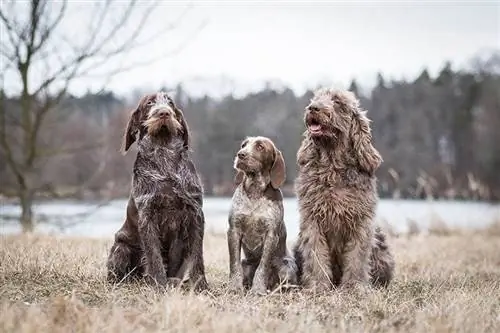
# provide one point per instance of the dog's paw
(174, 282)
(314, 288)
(236, 286)
(356, 288)
(201, 284)
(259, 290)
(158, 281)
(234, 289)
(286, 286)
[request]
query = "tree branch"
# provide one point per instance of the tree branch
(47, 33)
(12, 34)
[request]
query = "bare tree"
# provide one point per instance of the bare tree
(45, 48)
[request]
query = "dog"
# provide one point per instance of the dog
(162, 236)
(338, 244)
(256, 220)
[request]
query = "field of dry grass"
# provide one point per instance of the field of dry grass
(445, 282)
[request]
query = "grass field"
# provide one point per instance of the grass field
(445, 282)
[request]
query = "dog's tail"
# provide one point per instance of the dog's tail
(299, 262)
(382, 262)
(288, 270)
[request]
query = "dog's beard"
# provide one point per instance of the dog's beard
(159, 126)
(318, 126)
(322, 129)
(315, 129)
(247, 166)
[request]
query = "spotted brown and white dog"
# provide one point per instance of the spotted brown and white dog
(256, 222)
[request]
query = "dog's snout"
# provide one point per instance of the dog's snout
(312, 108)
(163, 113)
(242, 154)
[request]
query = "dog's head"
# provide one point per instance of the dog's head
(260, 155)
(330, 113)
(156, 115)
(335, 117)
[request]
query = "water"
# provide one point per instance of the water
(86, 219)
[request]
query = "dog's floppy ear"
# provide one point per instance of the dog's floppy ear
(132, 129)
(182, 120)
(278, 170)
(369, 158)
(238, 178)
(185, 130)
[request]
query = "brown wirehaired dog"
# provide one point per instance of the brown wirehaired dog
(338, 244)
(162, 237)
(256, 220)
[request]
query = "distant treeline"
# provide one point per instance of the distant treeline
(439, 136)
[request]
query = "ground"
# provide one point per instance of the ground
(445, 282)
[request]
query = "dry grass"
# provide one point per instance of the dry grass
(444, 284)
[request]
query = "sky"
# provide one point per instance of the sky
(302, 45)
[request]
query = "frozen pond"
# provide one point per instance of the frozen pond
(84, 219)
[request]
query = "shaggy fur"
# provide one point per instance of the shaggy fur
(338, 244)
(256, 220)
(162, 237)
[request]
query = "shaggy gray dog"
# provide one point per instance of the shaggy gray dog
(338, 244)
(162, 237)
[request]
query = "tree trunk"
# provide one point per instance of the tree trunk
(26, 220)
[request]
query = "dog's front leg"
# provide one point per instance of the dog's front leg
(195, 261)
(151, 244)
(259, 284)
(313, 260)
(235, 266)
(357, 261)
(249, 269)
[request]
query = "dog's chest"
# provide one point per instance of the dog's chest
(160, 165)
(253, 216)
(323, 178)
(252, 209)
(336, 199)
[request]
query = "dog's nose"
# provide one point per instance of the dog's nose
(164, 114)
(242, 154)
(312, 108)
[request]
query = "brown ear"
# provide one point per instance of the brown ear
(238, 178)
(278, 170)
(369, 158)
(182, 120)
(133, 126)
(185, 130)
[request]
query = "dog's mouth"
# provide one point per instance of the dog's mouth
(240, 164)
(313, 126)
(246, 165)
(236, 163)
(159, 125)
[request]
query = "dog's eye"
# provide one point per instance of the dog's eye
(150, 103)
(243, 144)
